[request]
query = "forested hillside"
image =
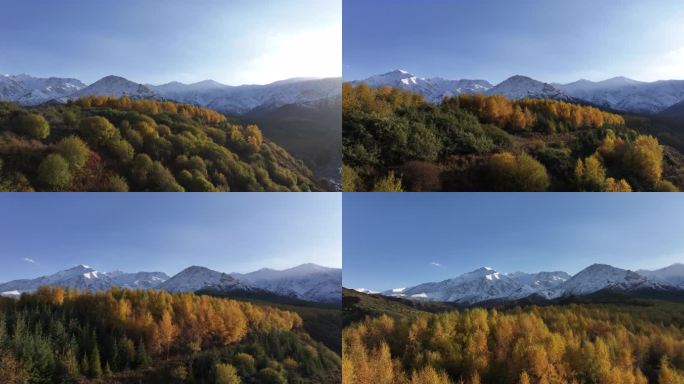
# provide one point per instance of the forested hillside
(108, 144)
(124, 336)
(395, 141)
(588, 343)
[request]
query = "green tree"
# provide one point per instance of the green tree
(143, 359)
(98, 131)
(94, 364)
(53, 171)
(117, 184)
(389, 183)
(74, 150)
(271, 376)
(32, 125)
(351, 181)
(226, 374)
(521, 173)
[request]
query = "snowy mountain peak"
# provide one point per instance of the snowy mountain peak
(485, 284)
(116, 86)
(520, 87)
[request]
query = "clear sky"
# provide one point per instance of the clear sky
(403, 239)
(552, 41)
(151, 41)
(229, 232)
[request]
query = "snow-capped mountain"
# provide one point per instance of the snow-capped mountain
(619, 93)
(309, 282)
(672, 275)
(195, 278)
(366, 291)
(600, 276)
(434, 89)
(486, 284)
(116, 86)
(85, 277)
(628, 95)
(138, 280)
(238, 100)
(483, 284)
(29, 90)
(520, 87)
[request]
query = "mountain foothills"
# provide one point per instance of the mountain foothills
(309, 282)
(199, 326)
(602, 325)
(402, 132)
(302, 114)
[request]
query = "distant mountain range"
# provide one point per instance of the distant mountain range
(486, 284)
(308, 282)
(618, 93)
(233, 100)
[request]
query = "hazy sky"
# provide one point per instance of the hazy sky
(398, 240)
(560, 41)
(151, 41)
(229, 232)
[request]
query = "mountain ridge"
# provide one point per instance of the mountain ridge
(486, 284)
(617, 93)
(231, 99)
(310, 282)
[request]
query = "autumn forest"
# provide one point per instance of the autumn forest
(394, 140)
(133, 336)
(636, 343)
(102, 143)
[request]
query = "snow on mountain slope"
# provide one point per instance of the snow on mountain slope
(85, 277)
(366, 291)
(433, 89)
(486, 284)
(241, 99)
(195, 278)
(520, 87)
(29, 90)
(116, 86)
(138, 280)
(601, 276)
(307, 282)
(672, 275)
(629, 95)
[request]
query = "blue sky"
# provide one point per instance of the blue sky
(148, 41)
(399, 240)
(237, 232)
(560, 41)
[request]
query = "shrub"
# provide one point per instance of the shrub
(508, 172)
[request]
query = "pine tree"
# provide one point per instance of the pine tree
(143, 359)
(95, 364)
(85, 365)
